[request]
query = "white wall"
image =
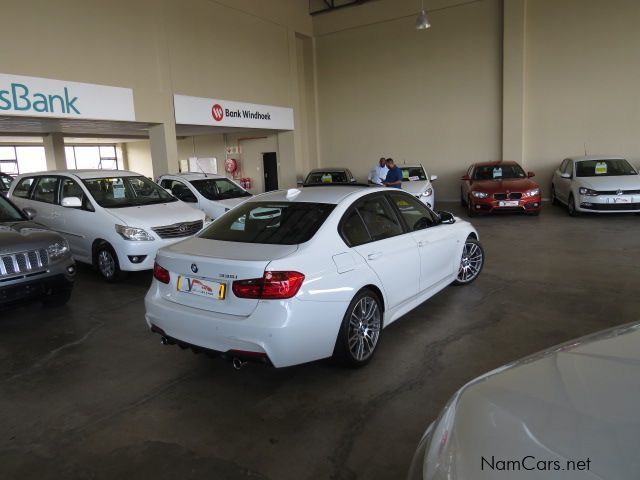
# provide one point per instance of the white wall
(582, 71)
(433, 96)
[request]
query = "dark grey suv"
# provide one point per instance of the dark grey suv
(34, 261)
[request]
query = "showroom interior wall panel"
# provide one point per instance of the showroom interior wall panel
(238, 50)
(581, 81)
(432, 96)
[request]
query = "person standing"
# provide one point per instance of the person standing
(394, 175)
(378, 174)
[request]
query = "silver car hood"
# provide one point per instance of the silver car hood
(575, 402)
(23, 236)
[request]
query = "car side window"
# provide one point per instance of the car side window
(563, 165)
(71, 188)
(45, 190)
(415, 214)
(353, 230)
(179, 190)
(24, 187)
(379, 218)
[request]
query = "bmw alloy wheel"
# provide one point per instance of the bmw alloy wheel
(364, 328)
(471, 262)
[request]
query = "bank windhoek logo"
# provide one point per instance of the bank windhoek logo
(217, 112)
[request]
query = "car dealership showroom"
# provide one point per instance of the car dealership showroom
(320, 239)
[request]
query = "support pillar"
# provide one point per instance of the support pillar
(164, 149)
(513, 71)
(54, 151)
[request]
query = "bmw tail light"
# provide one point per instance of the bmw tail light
(273, 285)
(161, 274)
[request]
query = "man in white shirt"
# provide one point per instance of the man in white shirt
(378, 174)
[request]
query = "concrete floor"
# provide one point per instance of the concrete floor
(87, 392)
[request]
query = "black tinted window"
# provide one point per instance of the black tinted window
(327, 177)
(498, 172)
(8, 213)
(22, 189)
(71, 188)
(45, 190)
(414, 213)
(379, 218)
(353, 230)
(281, 223)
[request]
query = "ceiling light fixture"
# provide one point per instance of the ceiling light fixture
(422, 22)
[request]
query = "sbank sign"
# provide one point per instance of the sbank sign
(43, 97)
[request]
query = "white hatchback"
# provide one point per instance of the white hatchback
(417, 182)
(294, 276)
(597, 184)
(115, 220)
(213, 194)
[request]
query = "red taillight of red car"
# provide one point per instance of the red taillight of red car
(273, 285)
(161, 274)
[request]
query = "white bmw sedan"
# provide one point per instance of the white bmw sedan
(597, 184)
(293, 276)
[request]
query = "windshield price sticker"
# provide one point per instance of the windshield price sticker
(327, 178)
(414, 178)
(601, 168)
(497, 172)
(118, 190)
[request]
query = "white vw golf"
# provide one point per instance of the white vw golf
(288, 277)
(597, 184)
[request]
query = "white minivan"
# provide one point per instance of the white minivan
(114, 220)
(213, 194)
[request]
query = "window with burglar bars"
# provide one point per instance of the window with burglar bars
(93, 157)
(17, 159)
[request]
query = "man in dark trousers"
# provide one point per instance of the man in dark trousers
(394, 175)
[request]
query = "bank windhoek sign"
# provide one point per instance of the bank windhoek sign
(225, 113)
(43, 97)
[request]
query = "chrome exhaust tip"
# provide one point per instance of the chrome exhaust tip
(237, 363)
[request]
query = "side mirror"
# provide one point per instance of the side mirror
(353, 180)
(446, 217)
(30, 213)
(434, 178)
(71, 202)
(465, 178)
(565, 175)
(531, 174)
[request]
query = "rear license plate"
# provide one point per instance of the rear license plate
(620, 200)
(202, 288)
(508, 203)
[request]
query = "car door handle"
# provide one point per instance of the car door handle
(374, 256)
(422, 243)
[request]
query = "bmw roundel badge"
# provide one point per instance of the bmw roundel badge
(194, 268)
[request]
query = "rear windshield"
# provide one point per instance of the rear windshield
(278, 223)
(315, 178)
(219, 189)
(604, 168)
(413, 174)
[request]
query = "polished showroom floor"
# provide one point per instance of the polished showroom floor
(87, 392)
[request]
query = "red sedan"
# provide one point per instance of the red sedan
(500, 187)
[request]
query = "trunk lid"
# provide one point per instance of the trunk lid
(221, 262)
